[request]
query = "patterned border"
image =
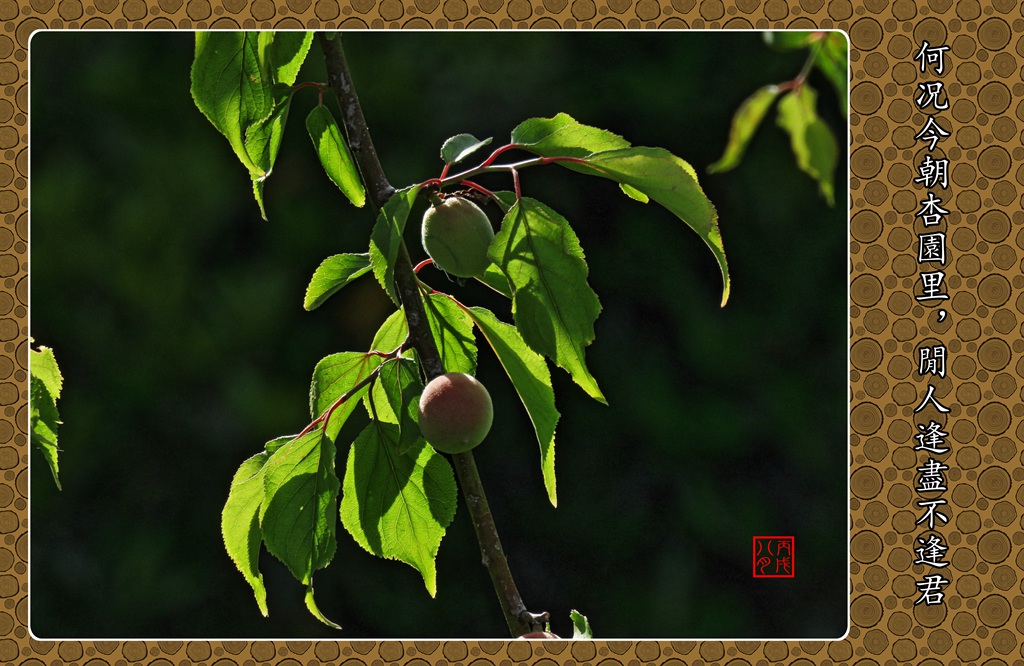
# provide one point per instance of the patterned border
(982, 612)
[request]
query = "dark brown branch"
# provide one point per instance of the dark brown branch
(520, 620)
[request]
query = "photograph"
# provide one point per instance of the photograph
(475, 335)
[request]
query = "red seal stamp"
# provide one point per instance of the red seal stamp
(774, 556)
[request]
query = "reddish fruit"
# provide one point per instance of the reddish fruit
(455, 412)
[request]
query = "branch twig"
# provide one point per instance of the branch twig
(519, 620)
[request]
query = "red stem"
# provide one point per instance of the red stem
(479, 188)
(326, 416)
(490, 160)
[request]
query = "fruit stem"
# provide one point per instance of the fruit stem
(480, 188)
(493, 156)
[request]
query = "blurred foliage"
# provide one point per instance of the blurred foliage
(177, 314)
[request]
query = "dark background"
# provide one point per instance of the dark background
(175, 313)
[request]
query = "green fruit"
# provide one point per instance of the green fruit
(455, 412)
(456, 234)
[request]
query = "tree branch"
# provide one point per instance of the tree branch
(359, 141)
(519, 620)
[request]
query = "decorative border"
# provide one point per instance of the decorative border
(895, 385)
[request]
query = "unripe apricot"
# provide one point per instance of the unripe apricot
(456, 234)
(455, 412)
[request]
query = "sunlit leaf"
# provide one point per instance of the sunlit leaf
(554, 307)
(263, 140)
(532, 381)
(392, 333)
(333, 274)
(453, 334)
(395, 397)
(812, 141)
(241, 81)
(671, 182)
(231, 86)
(335, 376)
(745, 122)
(461, 146)
(494, 278)
(564, 136)
(653, 173)
(314, 610)
(833, 61)
(580, 626)
(45, 384)
(332, 149)
(634, 193)
(286, 51)
(398, 506)
(240, 523)
(297, 517)
(386, 238)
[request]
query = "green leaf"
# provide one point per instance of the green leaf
(44, 390)
(833, 61)
(453, 334)
(314, 611)
(241, 81)
(257, 193)
(333, 274)
(392, 333)
(263, 140)
(668, 180)
(580, 626)
(647, 172)
(386, 238)
(811, 140)
(299, 505)
(240, 523)
(231, 86)
(333, 377)
(396, 399)
(532, 381)
(273, 445)
(564, 136)
(286, 51)
(494, 278)
(332, 149)
(43, 366)
(397, 507)
(744, 124)
(634, 193)
(461, 146)
(554, 307)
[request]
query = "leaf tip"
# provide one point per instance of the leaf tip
(311, 606)
(718, 167)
